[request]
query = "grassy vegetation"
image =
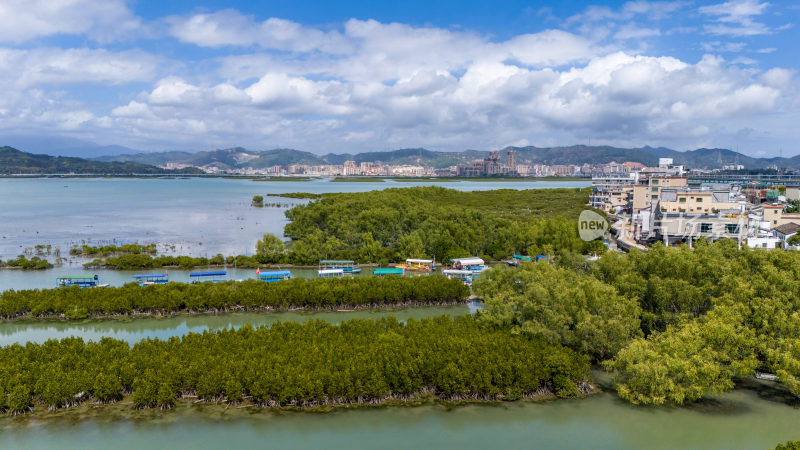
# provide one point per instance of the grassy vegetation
(299, 195)
(394, 224)
(107, 250)
(358, 180)
(282, 179)
(430, 179)
(518, 205)
(144, 261)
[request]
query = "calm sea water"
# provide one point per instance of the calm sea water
(199, 216)
(203, 217)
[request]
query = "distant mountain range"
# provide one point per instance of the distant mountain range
(13, 161)
(238, 157)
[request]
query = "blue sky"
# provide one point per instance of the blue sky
(351, 76)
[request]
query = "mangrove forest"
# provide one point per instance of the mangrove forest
(76, 303)
(298, 365)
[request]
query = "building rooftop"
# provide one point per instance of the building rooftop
(787, 228)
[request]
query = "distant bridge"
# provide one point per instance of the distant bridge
(742, 179)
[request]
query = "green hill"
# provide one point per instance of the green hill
(577, 154)
(13, 161)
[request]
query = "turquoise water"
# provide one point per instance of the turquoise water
(745, 419)
(200, 216)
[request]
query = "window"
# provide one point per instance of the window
(654, 197)
(682, 199)
(706, 227)
(731, 228)
(655, 181)
(655, 189)
(764, 245)
(699, 199)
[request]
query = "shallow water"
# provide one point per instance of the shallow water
(743, 419)
(133, 330)
(200, 216)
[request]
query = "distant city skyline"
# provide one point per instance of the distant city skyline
(370, 76)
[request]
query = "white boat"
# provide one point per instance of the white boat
(464, 275)
(330, 273)
(766, 376)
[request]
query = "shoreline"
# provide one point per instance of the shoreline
(139, 314)
(227, 266)
(123, 409)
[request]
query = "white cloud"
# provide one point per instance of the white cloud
(728, 47)
(777, 78)
(373, 85)
(231, 27)
(26, 68)
(133, 109)
(735, 18)
(615, 97)
(21, 20)
(634, 32)
(654, 10)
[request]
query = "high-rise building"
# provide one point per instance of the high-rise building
(511, 160)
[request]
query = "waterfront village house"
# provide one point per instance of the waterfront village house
(644, 195)
(768, 242)
(793, 192)
(776, 217)
(772, 214)
(612, 193)
(696, 201)
(673, 228)
(785, 231)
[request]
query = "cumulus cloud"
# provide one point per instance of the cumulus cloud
(365, 84)
(231, 27)
(21, 20)
(613, 96)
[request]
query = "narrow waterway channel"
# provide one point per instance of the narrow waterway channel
(133, 330)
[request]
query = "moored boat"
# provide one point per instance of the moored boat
(82, 282)
(474, 264)
(466, 276)
(389, 271)
(213, 276)
(151, 279)
(330, 273)
(418, 265)
(273, 276)
(347, 266)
